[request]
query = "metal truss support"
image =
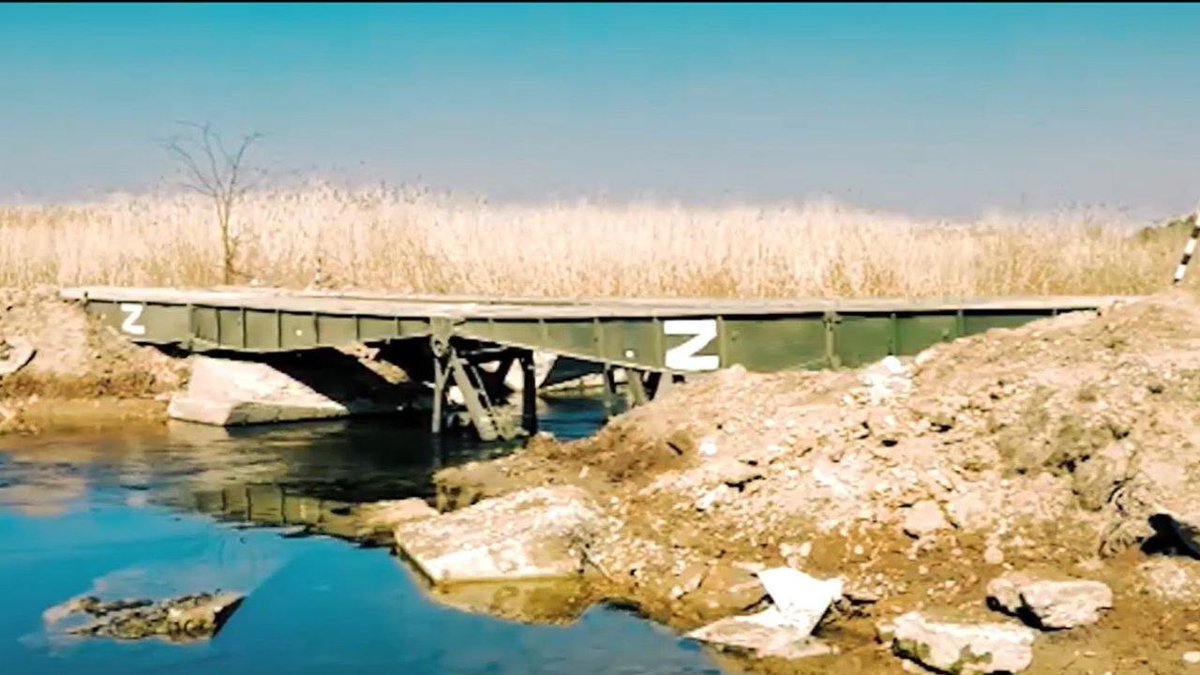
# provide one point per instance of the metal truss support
(459, 365)
(645, 386)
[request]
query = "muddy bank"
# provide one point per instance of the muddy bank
(81, 375)
(1053, 448)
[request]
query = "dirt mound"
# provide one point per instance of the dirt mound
(917, 479)
(75, 359)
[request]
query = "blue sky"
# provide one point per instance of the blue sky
(928, 109)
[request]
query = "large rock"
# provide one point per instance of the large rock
(924, 518)
(539, 533)
(729, 587)
(227, 392)
(961, 647)
(1049, 603)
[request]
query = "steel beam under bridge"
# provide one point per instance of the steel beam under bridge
(676, 336)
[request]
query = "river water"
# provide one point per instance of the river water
(156, 513)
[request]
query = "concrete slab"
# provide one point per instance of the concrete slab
(227, 392)
(538, 533)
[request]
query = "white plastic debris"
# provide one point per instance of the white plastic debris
(802, 600)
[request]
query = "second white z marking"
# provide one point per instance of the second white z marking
(684, 357)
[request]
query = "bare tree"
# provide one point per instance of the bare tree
(212, 170)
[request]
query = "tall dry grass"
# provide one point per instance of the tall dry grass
(410, 241)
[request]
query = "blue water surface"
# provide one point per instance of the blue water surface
(108, 515)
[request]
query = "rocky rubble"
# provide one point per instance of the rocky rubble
(58, 367)
(1058, 444)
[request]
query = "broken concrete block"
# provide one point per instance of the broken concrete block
(1050, 603)
(765, 634)
(538, 533)
(961, 647)
(191, 617)
(801, 599)
(229, 392)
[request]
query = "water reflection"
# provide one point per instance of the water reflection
(155, 513)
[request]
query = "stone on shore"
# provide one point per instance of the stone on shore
(783, 630)
(376, 521)
(15, 354)
(538, 533)
(765, 634)
(390, 513)
(1049, 603)
(924, 518)
(961, 647)
(229, 392)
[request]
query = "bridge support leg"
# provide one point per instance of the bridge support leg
(441, 372)
(529, 417)
(451, 366)
(474, 398)
(610, 390)
(646, 386)
(637, 387)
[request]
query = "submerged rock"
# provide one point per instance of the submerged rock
(539, 533)
(1048, 603)
(961, 647)
(379, 519)
(190, 617)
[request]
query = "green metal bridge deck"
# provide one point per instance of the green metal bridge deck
(648, 338)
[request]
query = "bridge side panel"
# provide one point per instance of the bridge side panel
(248, 330)
(760, 343)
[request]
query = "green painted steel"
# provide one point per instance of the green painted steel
(679, 336)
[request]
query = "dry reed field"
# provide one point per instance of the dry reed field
(415, 241)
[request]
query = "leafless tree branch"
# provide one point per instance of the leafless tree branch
(211, 170)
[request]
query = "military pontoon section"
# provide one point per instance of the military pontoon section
(466, 341)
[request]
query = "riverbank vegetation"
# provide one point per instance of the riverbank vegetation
(415, 241)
